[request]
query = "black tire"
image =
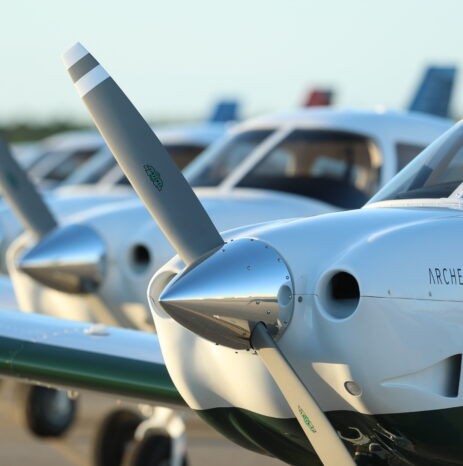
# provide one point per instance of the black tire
(153, 450)
(114, 436)
(49, 412)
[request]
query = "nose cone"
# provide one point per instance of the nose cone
(70, 259)
(226, 295)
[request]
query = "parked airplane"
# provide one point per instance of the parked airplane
(59, 155)
(117, 292)
(62, 155)
(69, 160)
(115, 263)
(71, 154)
(184, 141)
(433, 97)
(72, 159)
(333, 338)
(125, 307)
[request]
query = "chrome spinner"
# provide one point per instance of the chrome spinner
(224, 296)
(69, 259)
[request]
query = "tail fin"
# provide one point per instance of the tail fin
(435, 91)
(225, 110)
(319, 98)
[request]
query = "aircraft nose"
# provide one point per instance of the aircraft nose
(69, 259)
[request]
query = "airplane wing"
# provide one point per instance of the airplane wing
(70, 354)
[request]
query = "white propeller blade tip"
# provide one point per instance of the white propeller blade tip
(74, 54)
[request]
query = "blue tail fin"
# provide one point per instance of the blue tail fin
(225, 110)
(435, 91)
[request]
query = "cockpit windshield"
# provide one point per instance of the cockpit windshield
(336, 167)
(436, 173)
(218, 161)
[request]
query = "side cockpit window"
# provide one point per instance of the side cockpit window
(219, 160)
(436, 173)
(336, 167)
(406, 153)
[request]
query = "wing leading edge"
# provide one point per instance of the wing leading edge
(70, 354)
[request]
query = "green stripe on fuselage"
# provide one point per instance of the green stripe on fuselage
(428, 438)
(281, 438)
(83, 369)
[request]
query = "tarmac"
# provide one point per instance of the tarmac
(18, 447)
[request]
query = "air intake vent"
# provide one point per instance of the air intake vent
(340, 294)
(140, 258)
(344, 286)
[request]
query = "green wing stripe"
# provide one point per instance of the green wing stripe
(69, 354)
(43, 363)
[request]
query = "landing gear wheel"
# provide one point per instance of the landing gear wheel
(113, 437)
(49, 412)
(153, 450)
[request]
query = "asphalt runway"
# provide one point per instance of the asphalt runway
(18, 447)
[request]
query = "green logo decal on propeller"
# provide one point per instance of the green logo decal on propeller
(307, 421)
(154, 176)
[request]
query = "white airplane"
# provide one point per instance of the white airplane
(74, 196)
(433, 97)
(59, 155)
(76, 160)
(71, 157)
(67, 158)
(332, 159)
(333, 339)
(184, 142)
(348, 154)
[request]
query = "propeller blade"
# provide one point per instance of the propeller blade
(22, 196)
(318, 429)
(146, 163)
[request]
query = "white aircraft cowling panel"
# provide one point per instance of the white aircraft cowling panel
(402, 368)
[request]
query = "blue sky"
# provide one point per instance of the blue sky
(174, 58)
